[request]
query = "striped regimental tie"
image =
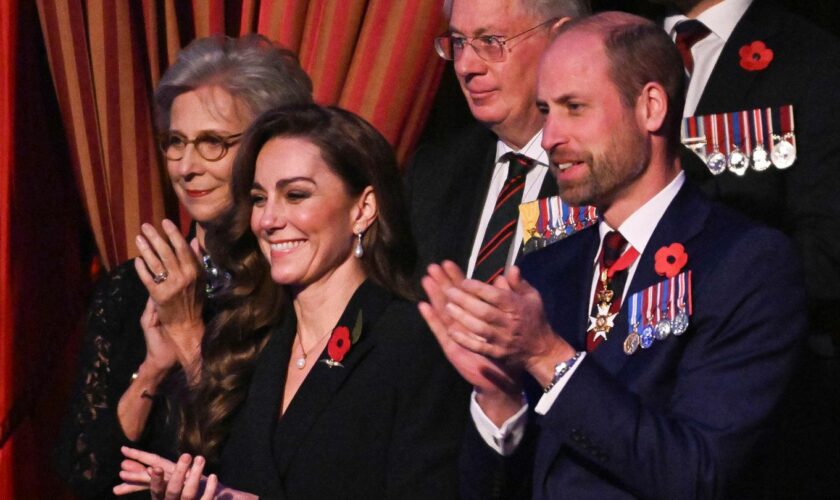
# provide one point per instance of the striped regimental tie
(495, 247)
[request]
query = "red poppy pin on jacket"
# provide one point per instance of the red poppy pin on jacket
(340, 342)
(670, 260)
(755, 56)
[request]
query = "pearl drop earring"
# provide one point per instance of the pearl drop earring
(359, 250)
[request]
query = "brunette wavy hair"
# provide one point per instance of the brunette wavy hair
(259, 75)
(361, 157)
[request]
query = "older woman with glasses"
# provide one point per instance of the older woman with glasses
(350, 396)
(146, 322)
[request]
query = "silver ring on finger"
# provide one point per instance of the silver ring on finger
(160, 277)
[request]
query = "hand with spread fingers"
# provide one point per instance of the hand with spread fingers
(482, 372)
(504, 322)
(170, 270)
(169, 480)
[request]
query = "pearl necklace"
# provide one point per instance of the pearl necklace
(300, 362)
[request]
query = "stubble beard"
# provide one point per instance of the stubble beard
(624, 160)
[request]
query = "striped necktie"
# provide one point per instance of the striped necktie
(495, 246)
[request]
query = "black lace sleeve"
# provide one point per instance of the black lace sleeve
(88, 455)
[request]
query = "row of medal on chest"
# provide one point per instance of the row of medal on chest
(656, 313)
(738, 141)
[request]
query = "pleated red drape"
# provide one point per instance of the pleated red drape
(373, 57)
(7, 49)
(42, 282)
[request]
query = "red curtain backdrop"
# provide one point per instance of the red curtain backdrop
(373, 57)
(7, 50)
(43, 285)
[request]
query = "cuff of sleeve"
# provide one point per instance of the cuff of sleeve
(547, 399)
(503, 440)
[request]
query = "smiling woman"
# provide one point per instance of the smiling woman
(146, 320)
(350, 396)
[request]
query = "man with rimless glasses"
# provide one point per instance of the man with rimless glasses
(463, 192)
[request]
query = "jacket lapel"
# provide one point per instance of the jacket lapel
(258, 417)
(549, 186)
(465, 194)
(682, 221)
(324, 381)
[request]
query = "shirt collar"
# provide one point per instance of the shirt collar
(721, 19)
(533, 149)
(638, 228)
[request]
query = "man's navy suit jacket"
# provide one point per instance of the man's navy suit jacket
(682, 418)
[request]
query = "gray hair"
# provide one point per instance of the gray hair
(252, 69)
(544, 9)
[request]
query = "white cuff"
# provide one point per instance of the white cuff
(547, 399)
(504, 439)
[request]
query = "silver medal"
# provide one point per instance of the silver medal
(663, 329)
(716, 163)
(783, 154)
(647, 337)
(680, 323)
(738, 162)
(760, 160)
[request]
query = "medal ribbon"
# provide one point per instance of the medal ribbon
(786, 119)
(710, 126)
(758, 127)
(672, 285)
(736, 139)
(541, 219)
(745, 134)
(688, 292)
(768, 124)
(727, 140)
(633, 317)
(626, 260)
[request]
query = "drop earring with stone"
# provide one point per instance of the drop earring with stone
(359, 250)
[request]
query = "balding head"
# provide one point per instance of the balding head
(638, 52)
(602, 91)
(543, 9)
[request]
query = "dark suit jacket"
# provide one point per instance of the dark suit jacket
(388, 424)
(800, 201)
(682, 418)
(446, 186)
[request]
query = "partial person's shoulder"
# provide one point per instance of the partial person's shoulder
(732, 228)
(730, 240)
(796, 42)
(403, 334)
(403, 321)
(474, 139)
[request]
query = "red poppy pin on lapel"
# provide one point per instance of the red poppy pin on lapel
(755, 56)
(670, 260)
(340, 342)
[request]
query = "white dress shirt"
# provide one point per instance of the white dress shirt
(721, 20)
(637, 230)
(533, 183)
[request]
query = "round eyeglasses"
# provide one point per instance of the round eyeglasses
(491, 48)
(211, 147)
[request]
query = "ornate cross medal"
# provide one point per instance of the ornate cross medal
(602, 322)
